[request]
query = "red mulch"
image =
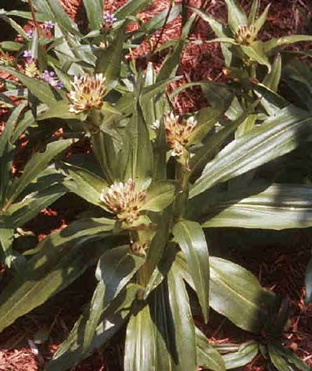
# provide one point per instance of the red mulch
(280, 270)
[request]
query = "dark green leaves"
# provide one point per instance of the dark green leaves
(237, 294)
(94, 9)
(275, 137)
(280, 206)
(62, 257)
(192, 242)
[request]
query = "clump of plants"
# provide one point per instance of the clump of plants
(156, 183)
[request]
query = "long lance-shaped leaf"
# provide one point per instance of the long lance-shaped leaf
(140, 348)
(131, 7)
(298, 76)
(7, 150)
(171, 63)
(37, 163)
(115, 269)
(278, 207)
(32, 204)
(208, 151)
(183, 321)
(58, 13)
(237, 294)
(207, 356)
(244, 355)
(60, 260)
(192, 241)
(276, 137)
(272, 44)
(69, 353)
(109, 61)
(40, 89)
(84, 183)
(136, 158)
(94, 9)
(285, 359)
(236, 15)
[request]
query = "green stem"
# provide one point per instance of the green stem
(182, 177)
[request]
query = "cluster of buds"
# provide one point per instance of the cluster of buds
(245, 35)
(178, 132)
(87, 93)
(124, 200)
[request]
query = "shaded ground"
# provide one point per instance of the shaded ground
(279, 266)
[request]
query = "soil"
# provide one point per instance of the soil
(30, 342)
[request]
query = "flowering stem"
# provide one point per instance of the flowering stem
(33, 14)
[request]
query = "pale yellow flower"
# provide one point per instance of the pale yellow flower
(87, 93)
(245, 35)
(178, 132)
(31, 69)
(124, 200)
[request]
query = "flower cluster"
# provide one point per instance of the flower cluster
(178, 132)
(50, 78)
(124, 200)
(87, 93)
(109, 19)
(245, 35)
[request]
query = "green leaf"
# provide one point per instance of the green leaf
(207, 356)
(84, 183)
(236, 15)
(298, 77)
(63, 20)
(272, 44)
(11, 46)
(38, 162)
(256, 52)
(140, 344)
(109, 60)
(32, 204)
(255, 6)
(280, 206)
(62, 257)
(159, 195)
(7, 151)
(283, 358)
(244, 355)
(94, 9)
(192, 242)
(261, 20)
(212, 144)
(308, 283)
(136, 157)
(131, 7)
(183, 322)
(69, 353)
(171, 63)
(237, 294)
(40, 89)
(114, 270)
(273, 78)
(218, 28)
(6, 238)
(59, 110)
(277, 136)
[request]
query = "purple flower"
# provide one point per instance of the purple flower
(27, 54)
(109, 19)
(49, 25)
(49, 77)
(30, 33)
